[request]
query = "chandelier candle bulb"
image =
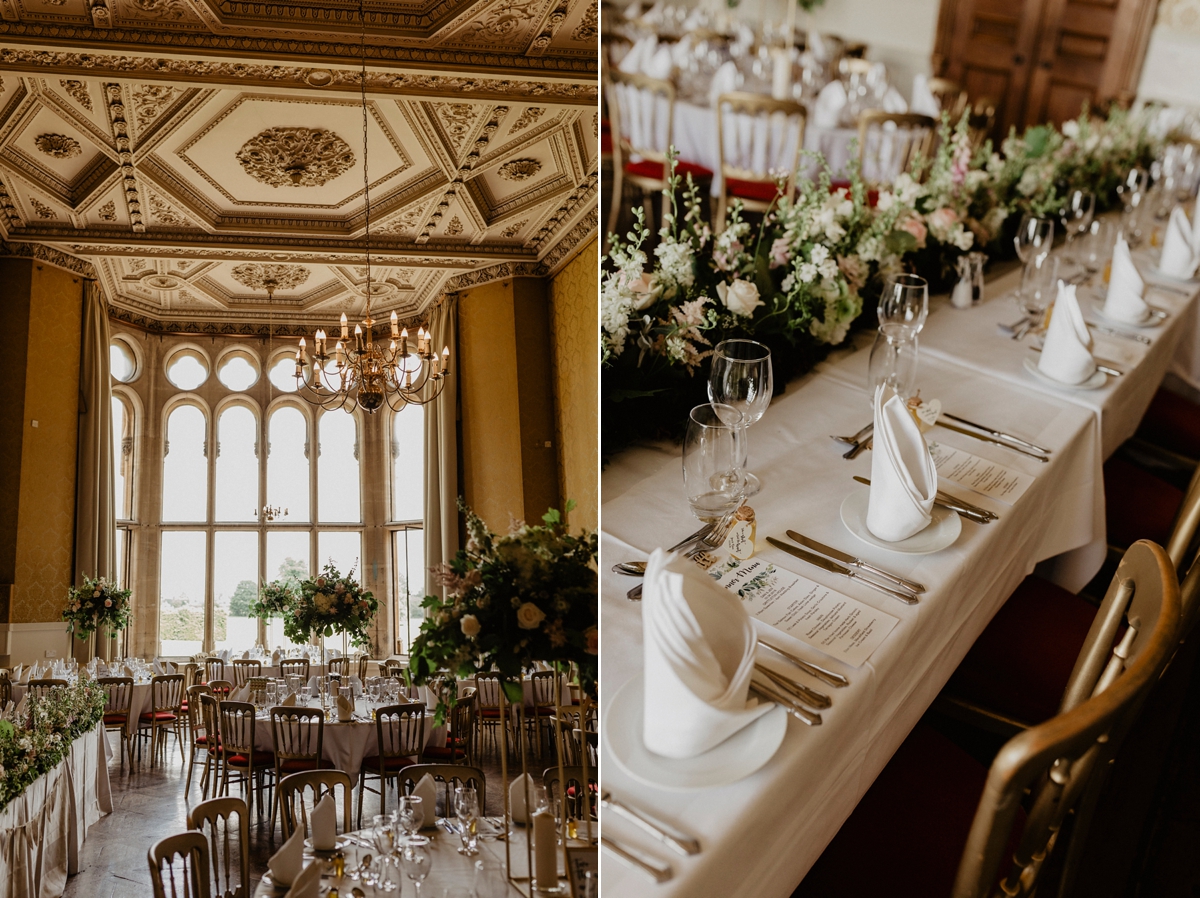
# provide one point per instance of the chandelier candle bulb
(302, 355)
(395, 324)
(445, 358)
(345, 332)
(404, 342)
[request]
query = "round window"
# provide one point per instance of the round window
(283, 374)
(238, 371)
(121, 361)
(187, 369)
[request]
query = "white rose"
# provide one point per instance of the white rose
(470, 625)
(645, 292)
(529, 616)
(740, 297)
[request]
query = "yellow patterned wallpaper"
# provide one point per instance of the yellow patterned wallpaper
(46, 532)
(1180, 16)
(573, 315)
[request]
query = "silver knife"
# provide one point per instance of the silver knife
(660, 874)
(1115, 332)
(824, 563)
(854, 561)
(971, 512)
(858, 448)
(652, 825)
(997, 433)
(994, 442)
(813, 670)
(788, 704)
(818, 701)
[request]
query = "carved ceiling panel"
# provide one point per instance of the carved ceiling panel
(179, 179)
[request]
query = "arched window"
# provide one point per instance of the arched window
(237, 465)
(235, 586)
(338, 487)
(122, 435)
(187, 369)
(182, 590)
(287, 463)
(122, 361)
(185, 468)
(238, 370)
(283, 374)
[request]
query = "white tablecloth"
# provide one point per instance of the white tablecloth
(42, 830)
(761, 835)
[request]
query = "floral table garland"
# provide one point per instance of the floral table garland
(803, 278)
(32, 744)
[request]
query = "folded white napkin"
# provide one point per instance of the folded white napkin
(516, 797)
(893, 101)
(345, 709)
(289, 701)
(1125, 287)
(699, 657)
(923, 100)
(426, 790)
(241, 694)
(660, 64)
(16, 673)
(275, 658)
(1066, 354)
(26, 675)
(246, 655)
(1178, 259)
(903, 477)
(827, 110)
(324, 824)
(285, 863)
(157, 667)
(308, 883)
(723, 82)
(129, 671)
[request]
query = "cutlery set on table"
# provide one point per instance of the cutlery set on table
(863, 440)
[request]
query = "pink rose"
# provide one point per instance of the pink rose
(108, 603)
(780, 255)
(943, 219)
(914, 226)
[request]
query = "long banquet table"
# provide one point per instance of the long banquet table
(762, 834)
(43, 828)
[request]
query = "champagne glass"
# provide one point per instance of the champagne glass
(742, 378)
(714, 461)
(1076, 217)
(466, 809)
(1035, 236)
(415, 860)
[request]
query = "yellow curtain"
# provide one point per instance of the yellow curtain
(441, 448)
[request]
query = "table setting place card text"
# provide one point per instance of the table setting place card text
(979, 474)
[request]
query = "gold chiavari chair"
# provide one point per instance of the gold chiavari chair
(299, 736)
(460, 734)
(182, 861)
(196, 731)
(339, 666)
(642, 122)
(220, 688)
(490, 722)
(981, 121)
(166, 699)
(5, 690)
(248, 764)
(450, 776)
(393, 668)
(754, 131)
(399, 737)
(225, 823)
(953, 808)
(293, 791)
(210, 716)
(572, 795)
(118, 704)
(889, 142)
(214, 669)
(294, 667)
(540, 716)
(39, 689)
(950, 96)
(363, 661)
(244, 669)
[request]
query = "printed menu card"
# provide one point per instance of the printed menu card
(978, 474)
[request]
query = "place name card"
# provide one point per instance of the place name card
(978, 474)
(826, 620)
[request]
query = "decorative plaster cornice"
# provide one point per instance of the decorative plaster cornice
(50, 255)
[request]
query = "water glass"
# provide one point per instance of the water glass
(742, 378)
(1035, 237)
(904, 306)
(381, 832)
(415, 860)
(466, 810)
(893, 362)
(272, 693)
(1076, 217)
(410, 815)
(1038, 285)
(714, 461)
(1097, 244)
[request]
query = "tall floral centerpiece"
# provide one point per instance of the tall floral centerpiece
(511, 601)
(95, 604)
(330, 603)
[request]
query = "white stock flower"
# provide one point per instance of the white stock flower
(807, 272)
(819, 254)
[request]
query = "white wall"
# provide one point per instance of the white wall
(1173, 55)
(26, 643)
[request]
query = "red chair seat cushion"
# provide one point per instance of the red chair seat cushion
(116, 717)
(1137, 504)
(491, 713)
(444, 751)
(606, 142)
(158, 715)
(1173, 423)
(751, 190)
(913, 822)
(591, 790)
(261, 759)
(648, 168)
(297, 765)
(1020, 664)
(396, 763)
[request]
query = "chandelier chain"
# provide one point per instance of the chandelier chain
(362, 86)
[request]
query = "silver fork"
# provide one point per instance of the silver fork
(714, 539)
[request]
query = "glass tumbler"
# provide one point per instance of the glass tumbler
(714, 461)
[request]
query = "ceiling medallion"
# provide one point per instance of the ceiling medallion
(58, 145)
(258, 276)
(520, 169)
(295, 157)
(161, 282)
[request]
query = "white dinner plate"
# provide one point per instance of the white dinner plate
(272, 884)
(1152, 320)
(1159, 273)
(736, 758)
(942, 531)
(1095, 382)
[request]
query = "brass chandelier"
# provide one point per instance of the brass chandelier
(362, 373)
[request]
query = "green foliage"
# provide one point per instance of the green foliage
(330, 603)
(97, 602)
(242, 598)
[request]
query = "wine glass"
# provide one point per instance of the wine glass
(1035, 236)
(742, 378)
(714, 461)
(1038, 283)
(1132, 191)
(1076, 217)
(410, 815)
(903, 308)
(1097, 244)
(893, 362)
(466, 809)
(415, 860)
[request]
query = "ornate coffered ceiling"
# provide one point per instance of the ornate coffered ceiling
(187, 183)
